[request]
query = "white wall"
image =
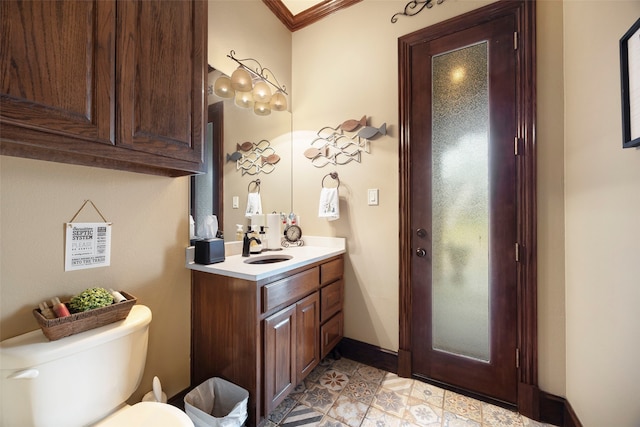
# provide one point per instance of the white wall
(602, 201)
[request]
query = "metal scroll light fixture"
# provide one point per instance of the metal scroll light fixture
(252, 87)
(414, 7)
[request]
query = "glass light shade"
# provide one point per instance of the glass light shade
(261, 109)
(244, 99)
(241, 80)
(278, 101)
(261, 92)
(222, 87)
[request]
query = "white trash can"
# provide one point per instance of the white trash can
(217, 403)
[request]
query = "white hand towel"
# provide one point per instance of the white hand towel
(254, 205)
(329, 204)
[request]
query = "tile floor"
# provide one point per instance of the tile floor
(346, 393)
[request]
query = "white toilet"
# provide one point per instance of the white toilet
(81, 380)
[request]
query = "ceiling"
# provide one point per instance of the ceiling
(298, 6)
(297, 14)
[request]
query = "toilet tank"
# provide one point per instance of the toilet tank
(77, 380)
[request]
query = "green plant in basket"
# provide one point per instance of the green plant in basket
(89, 299)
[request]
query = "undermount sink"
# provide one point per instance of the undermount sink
(267, 259)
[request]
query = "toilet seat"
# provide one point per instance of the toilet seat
(148, 414)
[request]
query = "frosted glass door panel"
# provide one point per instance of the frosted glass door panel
(460, 211)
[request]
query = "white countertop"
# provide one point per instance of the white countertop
(315, 249)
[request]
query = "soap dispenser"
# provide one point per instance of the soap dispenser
(239, 232)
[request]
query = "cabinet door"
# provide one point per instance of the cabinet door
(161, 77)
(57, 71)
(279, 356)
(308, 333)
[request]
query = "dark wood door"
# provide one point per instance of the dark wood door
(463, 209)
(161, 77)
(58, 68)
(308, 335)
(279, 356)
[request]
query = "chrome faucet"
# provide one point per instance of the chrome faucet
(246, 244)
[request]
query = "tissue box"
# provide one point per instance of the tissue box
(209, 251)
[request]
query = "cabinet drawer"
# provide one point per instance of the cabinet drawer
(289, 290)
(331, 333)
(331, 271)
(331, 300)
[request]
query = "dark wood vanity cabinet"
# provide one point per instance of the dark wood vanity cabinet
(113, 84)
(266, 336)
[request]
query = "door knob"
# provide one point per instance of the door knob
(421, 252)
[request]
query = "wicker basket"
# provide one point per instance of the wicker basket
(55, 329)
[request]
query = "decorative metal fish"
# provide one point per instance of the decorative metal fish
(369, 131)
(344, 158)
(328, 133)
(351, 125)
(344, 142)
(245, 146)
(234, 156)
(311, 153)
(267, 168)
(350, 149)
(271, 159)
(251, 170)
(262, 145)
(321, 161)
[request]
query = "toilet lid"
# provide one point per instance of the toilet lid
(148, 414)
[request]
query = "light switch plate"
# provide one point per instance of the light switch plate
(372, 198)
(236, 202)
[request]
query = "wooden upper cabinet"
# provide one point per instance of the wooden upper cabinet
(57, 67)
(113, 84)
(161, 77)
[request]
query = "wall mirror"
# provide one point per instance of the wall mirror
(249, 29)
(233, 132)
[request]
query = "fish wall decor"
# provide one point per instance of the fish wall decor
(334, 145)
(254, 158)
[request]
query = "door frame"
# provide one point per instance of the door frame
(526, 282)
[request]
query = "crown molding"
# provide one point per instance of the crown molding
(309, 16)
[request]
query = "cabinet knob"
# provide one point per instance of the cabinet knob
(421, 252)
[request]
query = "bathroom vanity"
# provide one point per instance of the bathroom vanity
(264, 327)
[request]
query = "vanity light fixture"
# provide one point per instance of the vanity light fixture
(252, 87)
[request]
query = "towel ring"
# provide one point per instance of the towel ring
(257, 183)
(333, 175)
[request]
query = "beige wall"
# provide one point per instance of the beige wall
(345, 66)
(150, 232)
(602, 201)
(550, 198)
